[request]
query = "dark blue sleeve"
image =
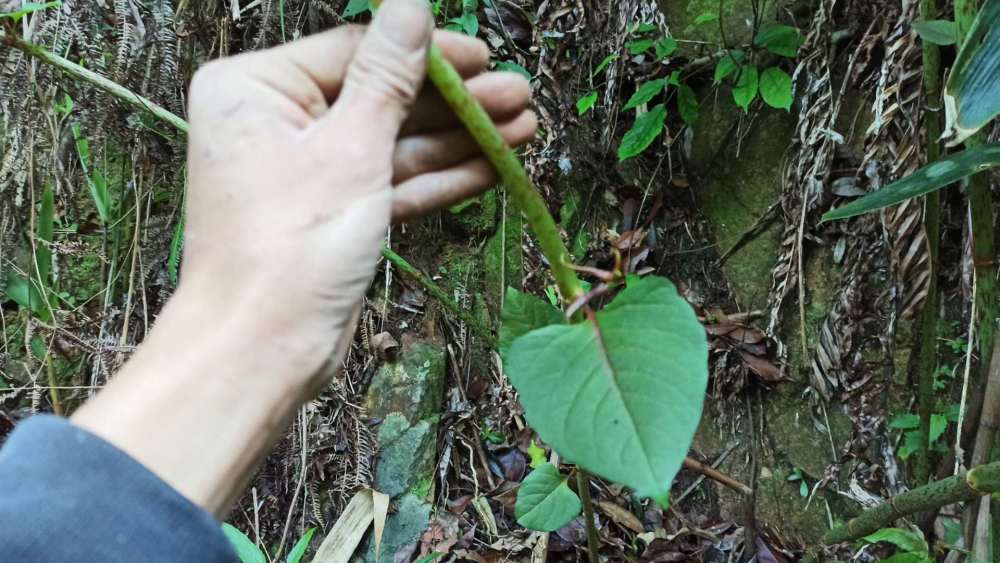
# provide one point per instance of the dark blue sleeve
(67, 495)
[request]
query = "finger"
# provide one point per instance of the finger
(422, 154)
(382, 81)
(503, 95)
(317, 63)
(436, 190)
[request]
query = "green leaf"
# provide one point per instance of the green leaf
(509, 66)
(728, 64)
(675, 78)
(664, 47)
(431, 557)
(295, 555)
(27, 8)
(903, 539)
(908, 558)
(544, 501)
(907, 421)
(803, 489)
(584, 104)
(95, 180)
(643, 28)
(537, 455)
(776, 88)
(645, 93)
(245, 549)
(938, 32)
(932, 177)
(706, 17)
(939, 423)
(911, 443)
(27, 295)
(620, 394)
(687, 104)
(745, 89)
(356, 7)
(972, 95)
(66, 106)
(467, 23)
(639, 46)
(523, 313)
(46, 226)
(782, 40)
(603, 65)
(647, 127)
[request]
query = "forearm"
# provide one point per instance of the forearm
(206, 396)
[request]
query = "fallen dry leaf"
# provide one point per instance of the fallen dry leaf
(620, 516)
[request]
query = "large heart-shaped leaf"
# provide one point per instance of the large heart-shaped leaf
(934, 176)
(621, 393)
(972, 95)
(544, 501)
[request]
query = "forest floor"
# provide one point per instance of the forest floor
(812, 326)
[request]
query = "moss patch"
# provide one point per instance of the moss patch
(735, 190)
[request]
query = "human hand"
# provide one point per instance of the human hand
(299, 156)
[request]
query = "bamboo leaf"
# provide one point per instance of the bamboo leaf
(245, 549)
(932, 177)
(544, 501)
(621, 394)
(972, 95)
(295, 555)
(647, 127)
(938, 32)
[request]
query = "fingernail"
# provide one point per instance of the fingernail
(407, 23)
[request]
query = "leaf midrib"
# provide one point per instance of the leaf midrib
(611, 373)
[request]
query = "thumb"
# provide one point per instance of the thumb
(387, 71)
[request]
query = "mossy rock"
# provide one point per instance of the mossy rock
(736, 17)
(735, 190)
(412, 387)
(780, 507)
(795, 435)
(474, 217)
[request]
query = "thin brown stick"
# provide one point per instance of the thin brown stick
(717, 476)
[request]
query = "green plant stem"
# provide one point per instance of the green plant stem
(583, 488)
(977, 482)
(439, 294)
(986, 306)
(927, 358)
(519, 184)
(86, 75)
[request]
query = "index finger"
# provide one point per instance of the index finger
(325, 56)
